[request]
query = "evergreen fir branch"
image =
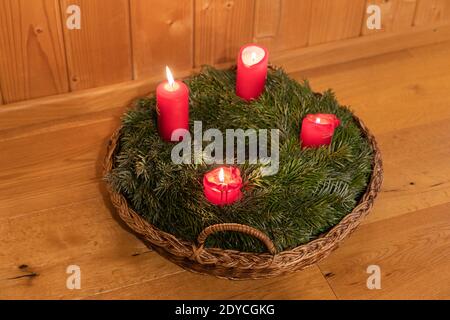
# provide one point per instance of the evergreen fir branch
(313, 190)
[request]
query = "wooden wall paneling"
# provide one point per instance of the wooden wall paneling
(430, 12)
(100, 52)
(331, 53)
(282, 24)
(404, 14)
(396, 15)
(162, 34)
(333, 20)
(221, 28)
(32, 60)
(267, 21)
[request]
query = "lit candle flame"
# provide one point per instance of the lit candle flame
(170, 77)
(221, 175)
(318, 120)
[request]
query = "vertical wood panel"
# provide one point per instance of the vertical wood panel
(282, 24)
(32, 61)
(99, 53)
(431, 12)
(221, 28)
(162, 35)
(404, 14)
(396, 15)
(267, 18)
(335, 20)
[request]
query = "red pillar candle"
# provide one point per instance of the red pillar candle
(251, 71)
(318, 129)
(223, 185)
(172, 99)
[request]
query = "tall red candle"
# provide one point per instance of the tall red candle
(223, 185)
(318, 129)
(172, 99)
(251, 71)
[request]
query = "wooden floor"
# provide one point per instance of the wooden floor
(54, 211)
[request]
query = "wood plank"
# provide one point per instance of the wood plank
(33, 62)
(283, 24)
(335, 20)
(396, 15)
(307, 284)
(221, 28)
(57, 108)
(432, 12)
(415, 186)
(41, 181)
(100, 52)
(162, 34)
(386, 96)
(358, 48)
(404, 14)
(399, 95)
(412, 252)
(53, 167)
(49, 110)
(36, 250)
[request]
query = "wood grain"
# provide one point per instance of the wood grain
(384, 92)
(83, 234)
(32, 60)
(358, 48)
(192, 286)
(432, 12)
(221, 28)
(49, 110)
(54, 210)
(122, 40)
(162, 34)
(71, 150)
(55, 109)
(283, 24)
(408, 100)
(100, 52)
(396, 15)
(411, 250)
(333, 20)
(412, 187)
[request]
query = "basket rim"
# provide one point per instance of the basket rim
(284, 261)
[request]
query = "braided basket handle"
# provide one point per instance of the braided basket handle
(237, 228)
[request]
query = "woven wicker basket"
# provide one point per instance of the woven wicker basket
(238, 265)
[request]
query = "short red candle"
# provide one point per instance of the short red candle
(172, 99)
(223, 185)
(318, 129)
(251, 71)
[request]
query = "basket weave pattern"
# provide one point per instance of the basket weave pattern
(237, 265)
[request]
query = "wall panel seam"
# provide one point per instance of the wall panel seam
(130, 28)
(64, 38)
